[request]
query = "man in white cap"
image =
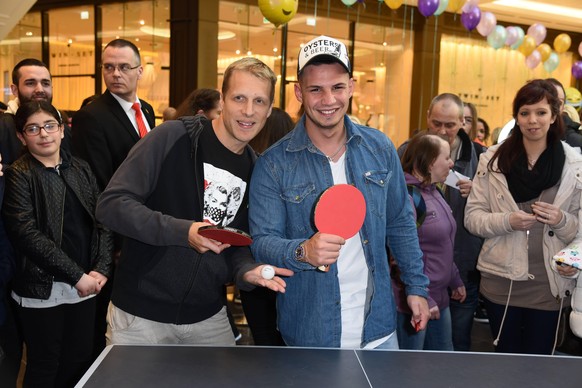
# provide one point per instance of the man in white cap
(351, 305)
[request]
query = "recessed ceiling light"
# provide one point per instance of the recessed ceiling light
(84, 15)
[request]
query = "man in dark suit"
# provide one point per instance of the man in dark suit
(105, 130)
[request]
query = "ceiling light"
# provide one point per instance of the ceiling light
(84, 15)
(142, 22)
(539, 7)
(28, 33)
(225, 35)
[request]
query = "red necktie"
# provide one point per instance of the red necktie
(139, 118)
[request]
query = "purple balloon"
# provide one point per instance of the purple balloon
(471, 18)
(577, 69)
(428, 7)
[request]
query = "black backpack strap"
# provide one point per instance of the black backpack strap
(418, 202)
(193, 126)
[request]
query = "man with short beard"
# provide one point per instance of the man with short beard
(31, 80)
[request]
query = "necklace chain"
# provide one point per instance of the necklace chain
(331, 157)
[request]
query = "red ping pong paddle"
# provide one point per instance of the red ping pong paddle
(340, 210)
(226, 235)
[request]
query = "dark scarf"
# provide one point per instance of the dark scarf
(525, 185)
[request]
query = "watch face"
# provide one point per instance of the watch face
(299, 252)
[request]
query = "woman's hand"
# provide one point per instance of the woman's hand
(521, 220)
(547, 213)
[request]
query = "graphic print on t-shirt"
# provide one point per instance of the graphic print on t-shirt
(223, 195)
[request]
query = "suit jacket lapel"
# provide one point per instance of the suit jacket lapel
(148, 113)
(118, 112)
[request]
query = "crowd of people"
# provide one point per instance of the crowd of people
(100, 242)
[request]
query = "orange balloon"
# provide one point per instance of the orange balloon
(527, 46)
(562, 43)
(545, 50)
(455, 5)
(393, 4)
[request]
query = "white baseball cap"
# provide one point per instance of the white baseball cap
(321, 49)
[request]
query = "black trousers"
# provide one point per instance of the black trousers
(59, 343)
(260, 308)
(524, 331)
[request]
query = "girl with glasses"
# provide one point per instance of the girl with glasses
(63, 256)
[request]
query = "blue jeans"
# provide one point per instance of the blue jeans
(390, 344)
(436, 336)
(462, 316)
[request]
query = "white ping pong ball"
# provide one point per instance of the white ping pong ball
(268, 272)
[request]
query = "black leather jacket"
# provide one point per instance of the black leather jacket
(33, 212)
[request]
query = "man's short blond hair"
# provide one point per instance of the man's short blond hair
(256, 68)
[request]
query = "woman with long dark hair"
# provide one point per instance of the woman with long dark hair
(525, 202)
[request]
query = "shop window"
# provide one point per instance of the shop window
(244, 32)
(489, 78)
(144, 23)
(382, 64)
(24, 41)
(71, 55)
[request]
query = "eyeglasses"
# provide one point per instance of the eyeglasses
(34, 130)
(124, 68)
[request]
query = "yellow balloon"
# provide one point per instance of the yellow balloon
(562, 43)
(545, 50)
(527, 46)
(278, 11)
(393, 4)
(455, 5)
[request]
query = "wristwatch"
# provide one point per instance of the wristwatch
(300, 253)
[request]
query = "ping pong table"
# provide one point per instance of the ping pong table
(253, 366)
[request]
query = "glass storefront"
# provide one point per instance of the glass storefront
(382, 60)
(72, 48)
(146, 24)
(382, 42)
(72, 55)
(489, 78)
(24, 41)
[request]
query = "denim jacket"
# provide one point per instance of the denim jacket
(286, 183)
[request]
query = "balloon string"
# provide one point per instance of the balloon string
(315, 17)
(328, 18)
(422, 83)
(436, 23)
(411, 27)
